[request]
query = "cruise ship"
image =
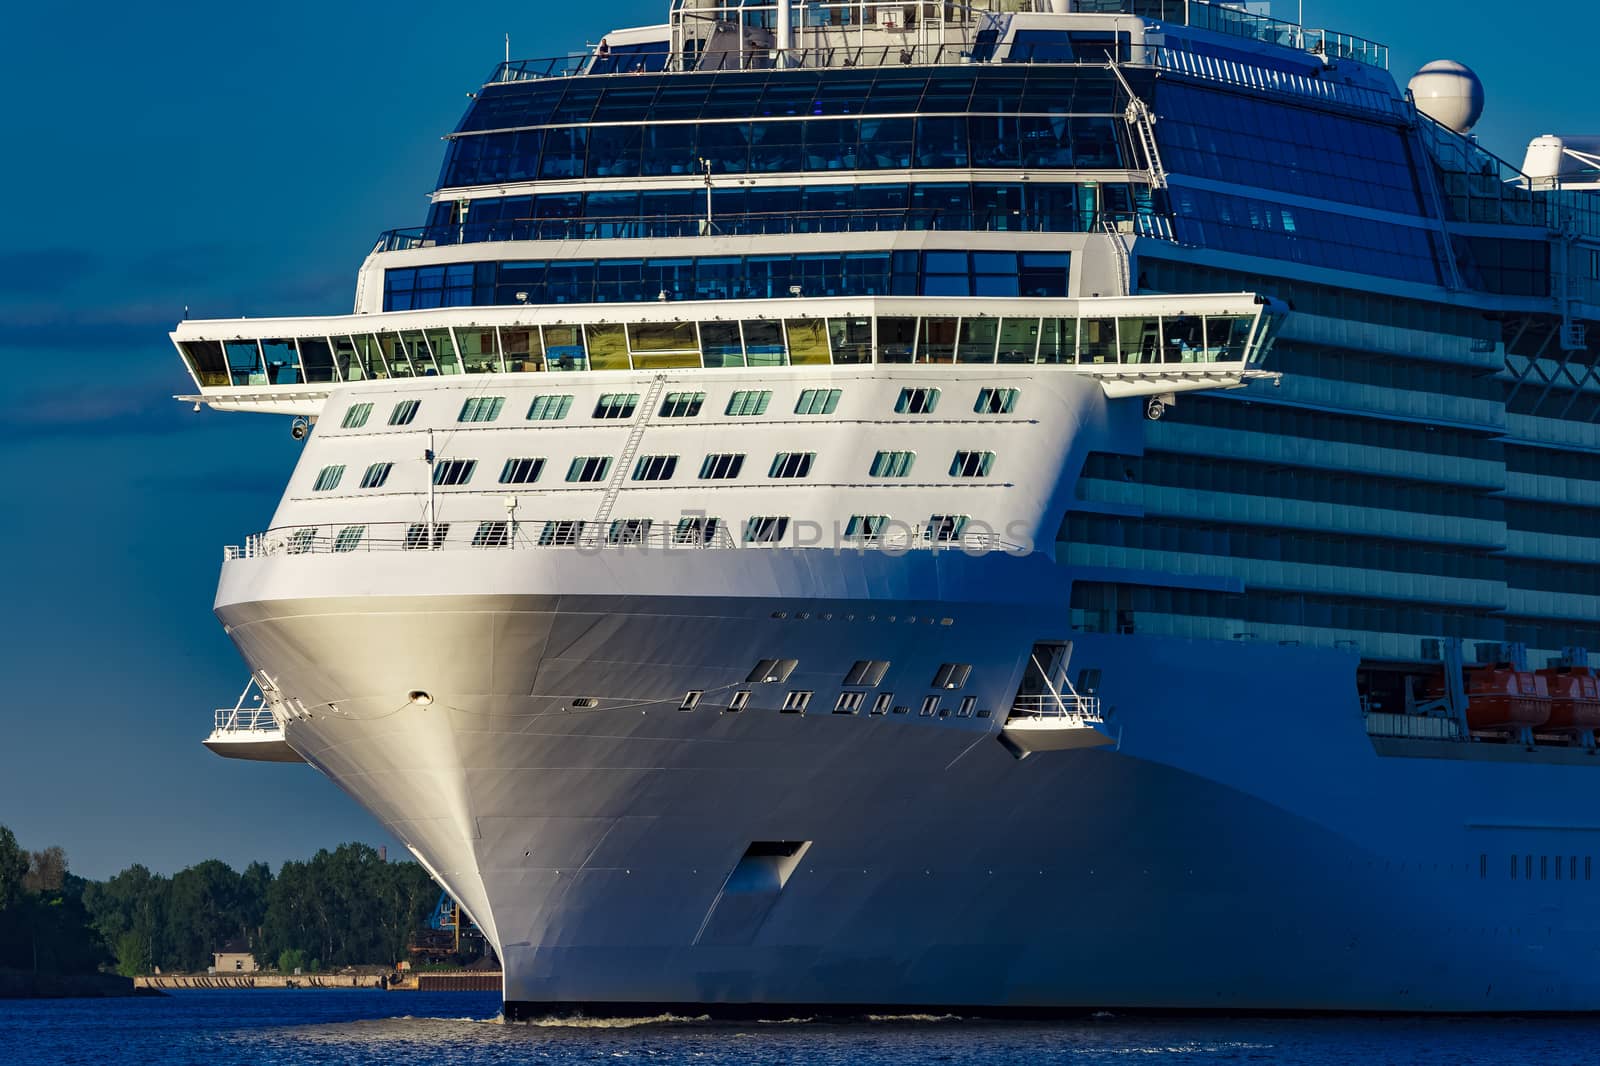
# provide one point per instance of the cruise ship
(1005, 507)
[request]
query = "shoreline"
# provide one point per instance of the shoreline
(18, 984)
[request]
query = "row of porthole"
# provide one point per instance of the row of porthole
(617, 406)
(589, 469)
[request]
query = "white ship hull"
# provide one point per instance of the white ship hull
(1243, 847)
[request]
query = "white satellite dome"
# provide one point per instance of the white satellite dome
(1449, 93)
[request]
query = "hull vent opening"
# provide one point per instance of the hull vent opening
(750, 891)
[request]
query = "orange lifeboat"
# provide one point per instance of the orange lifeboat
(1574, 697)
(1500, 697)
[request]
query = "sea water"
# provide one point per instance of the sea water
(286, 1028)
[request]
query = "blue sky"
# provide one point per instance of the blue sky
(240, 161)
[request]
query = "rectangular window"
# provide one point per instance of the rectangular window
(945, 528)
(972, 464)
(721, 467)
(356, 415)
(968, 705)
(376, 475)
(418, 539)
(917, 401)
(589, 468)
(696, 531)
(866, 673)
(996, 401)
(929, 705)
(849, 703)
(328, 478)
(796, 702)
(765, 529)
(738, 701)
(549, 408)
(682, 404)
(492, 535)
(893, 464)
(348, 539)
(882, 702)
(745, 404)
(560, 534)
(629, 531)
(521, 471)
(818, 402)
(615, 405)
(952, 675)
(866, 528)
(302, 541)
(691, 699)
(772, 671)
(655, 468)
(481, 409)
(792, 464)
(453, 471)
(404, 412)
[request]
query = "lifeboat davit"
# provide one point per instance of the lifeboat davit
(1574, 697)
(1501, 697)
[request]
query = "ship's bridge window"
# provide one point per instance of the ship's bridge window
(746, 403)
(328, 478)
(766, 529)
(893, 464)
(971, 464)
(818, 402)
(772, 671)
(866, 528)
(696, 531)
(521, 471)
(377, 474)
(454, 471)
(952, 675)
(629, 531)
(996, 401)
(682, 404)
(561, 533)
(792, 464)
(588, 468)
(244, 363)
(356, 415)
(655, 468)
(721, 466)
(481, 408)
(492, 534)
(917, 401)
(945, 528)
(616, 405)
(404, 412)
(549, 408)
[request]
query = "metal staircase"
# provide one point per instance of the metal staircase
(1565, 285)
(1124, 254)
(1142, 126)
(630, 448)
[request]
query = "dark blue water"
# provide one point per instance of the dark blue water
(404, 1028)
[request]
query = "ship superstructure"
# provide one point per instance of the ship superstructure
(1013, 506)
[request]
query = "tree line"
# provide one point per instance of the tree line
(345, 907)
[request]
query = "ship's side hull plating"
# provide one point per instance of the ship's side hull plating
(1243, 846)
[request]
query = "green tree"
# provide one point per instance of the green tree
(134, 901)
(203, 913)
(13, 868)
(133, 955)
(291, 960)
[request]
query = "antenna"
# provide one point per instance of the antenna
(508, 47)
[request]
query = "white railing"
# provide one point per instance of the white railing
(1067, 705)
(258, 719)
(581, 535)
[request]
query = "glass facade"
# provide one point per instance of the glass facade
(1054, 207)
(575, 281)
(1261, 143)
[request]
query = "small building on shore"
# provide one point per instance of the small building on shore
(235, 957)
